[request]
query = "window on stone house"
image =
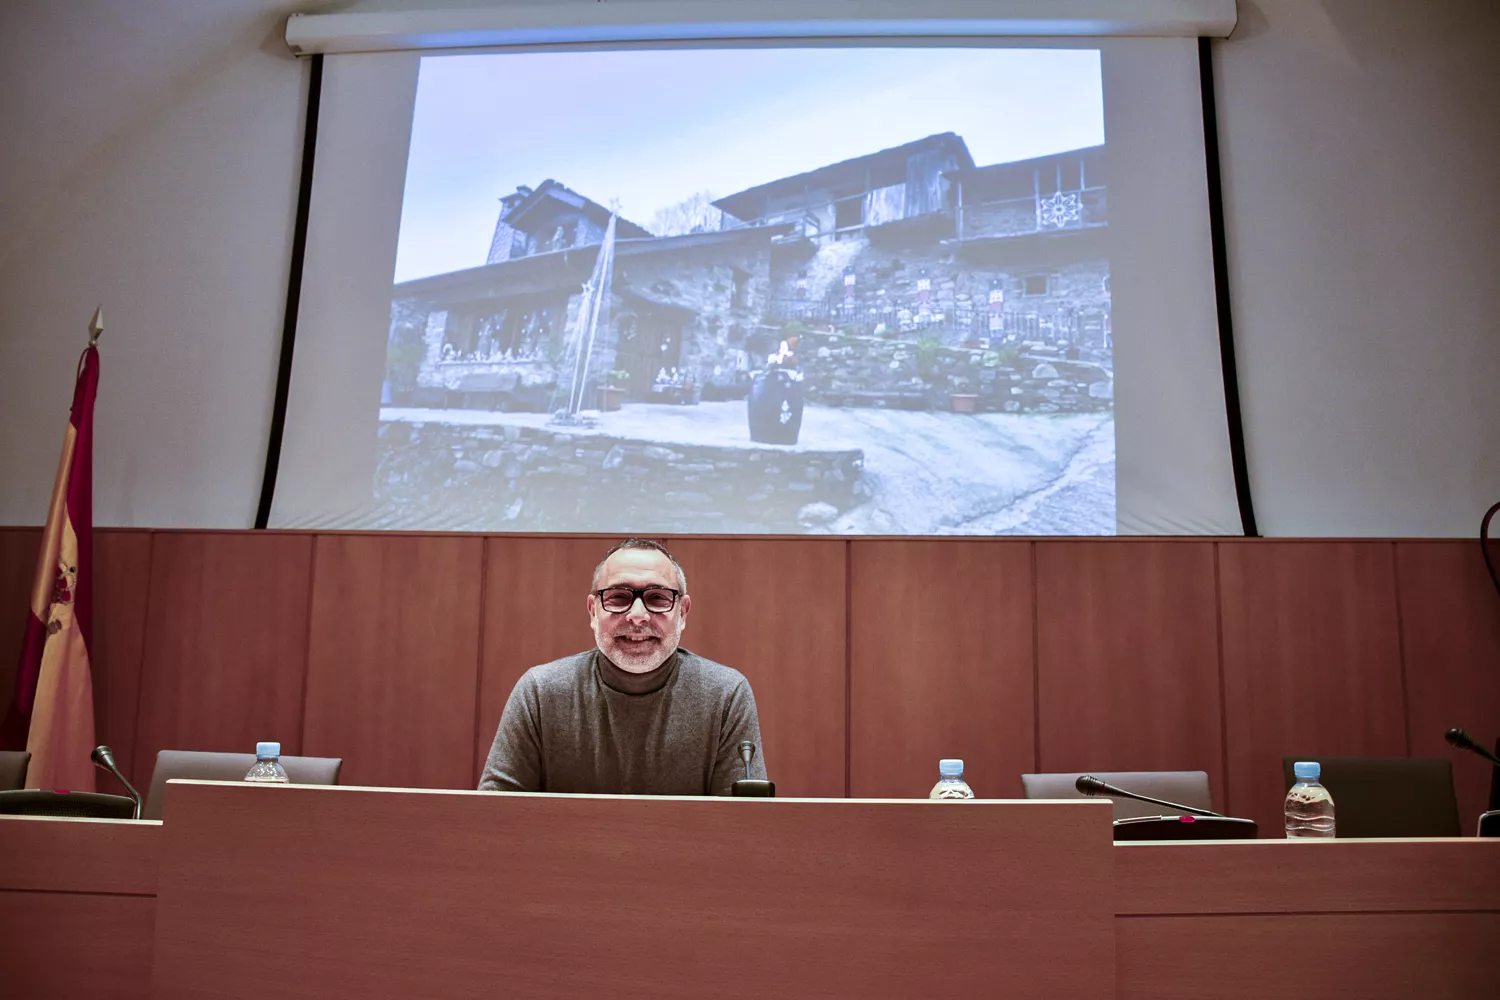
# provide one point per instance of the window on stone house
(1034, 284)
(849, 213)
(741, 298)
(461, 334)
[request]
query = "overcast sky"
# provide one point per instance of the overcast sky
(651, 128)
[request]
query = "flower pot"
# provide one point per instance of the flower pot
(963, 402)
(610, 398)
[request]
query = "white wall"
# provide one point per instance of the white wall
(151, 156)
(1361, 165)
(149, 163)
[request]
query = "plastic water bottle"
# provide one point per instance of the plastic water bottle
(268, 769)
(951, 784)
(1309, 807)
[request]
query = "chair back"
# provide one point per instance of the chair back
(202, 765)
(1189, 788)
(1387, 796)
(13, 764)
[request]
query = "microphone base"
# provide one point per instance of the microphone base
(754, 788)
(1489, 824)
(86, 805)
(1185, 828)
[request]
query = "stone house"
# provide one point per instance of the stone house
(917, 241)
(913, 244)
(497, 335)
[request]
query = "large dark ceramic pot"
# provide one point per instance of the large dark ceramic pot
(774, 407)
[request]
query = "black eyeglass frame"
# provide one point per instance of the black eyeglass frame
(638, 594)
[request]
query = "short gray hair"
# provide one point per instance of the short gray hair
(650, 546)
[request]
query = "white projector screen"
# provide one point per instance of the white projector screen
(895, 290)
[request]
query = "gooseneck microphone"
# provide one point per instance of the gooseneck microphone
(1462, 740)
(748, 787)
(1090, 785)
(104, 758)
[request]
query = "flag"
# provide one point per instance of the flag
(53, 712)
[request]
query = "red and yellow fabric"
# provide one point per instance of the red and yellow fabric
(53, 712)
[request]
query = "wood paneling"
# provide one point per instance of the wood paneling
(18, 551)
(775, 611)
(380, 894)
(393, 658)
(940, 665)
(1128, 658)
(59, 854)
(1322, 876)
(1361, 956)
(122, 563)
(1312, 661)
(226, 643)
(535, 611)
(211, 652)
(1450, 634)
(70, 945)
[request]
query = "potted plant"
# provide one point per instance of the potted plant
(961, 399)
(612, 393)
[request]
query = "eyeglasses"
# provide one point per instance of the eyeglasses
(618, 600)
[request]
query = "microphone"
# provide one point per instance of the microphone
(1462, 740)
(104, 758)
(748, 787)
(1090, 785)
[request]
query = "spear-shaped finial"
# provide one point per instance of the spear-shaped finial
(96, 325)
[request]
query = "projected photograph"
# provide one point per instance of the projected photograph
(837, 291)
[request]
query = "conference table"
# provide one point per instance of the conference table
(343, 892)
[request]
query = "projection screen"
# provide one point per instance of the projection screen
(894, 289)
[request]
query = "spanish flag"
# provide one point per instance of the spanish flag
(53, 712)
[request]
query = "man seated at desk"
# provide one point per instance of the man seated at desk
(636, 715)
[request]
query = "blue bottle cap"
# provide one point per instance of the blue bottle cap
(268, 750)
(1306, 770)
(951, 768)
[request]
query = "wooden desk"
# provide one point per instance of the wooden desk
(1367, 919)
(382, 892)
(375, 893)
(77, 907)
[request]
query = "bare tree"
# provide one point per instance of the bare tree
(691, 215)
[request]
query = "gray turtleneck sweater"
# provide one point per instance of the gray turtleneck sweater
(581, 724)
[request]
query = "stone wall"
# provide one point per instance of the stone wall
(525, 478)
(703, 281)
(887, 297)
(841, 370)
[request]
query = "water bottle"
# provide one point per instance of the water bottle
(951, 784)
(267, 769)
(1309, 807)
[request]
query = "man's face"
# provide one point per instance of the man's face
(637, 640)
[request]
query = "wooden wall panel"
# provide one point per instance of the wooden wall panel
(226, 644)
(18, 550)
(122, 564)
(1371, 956)
(775, 611)
(393, 658)
(1307, 876)
(1312, 661)
(382, 894)
(117, 857)
(1450, 634)
(1128, 658)
(941, 645)
(535, 611)
(68, 945)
